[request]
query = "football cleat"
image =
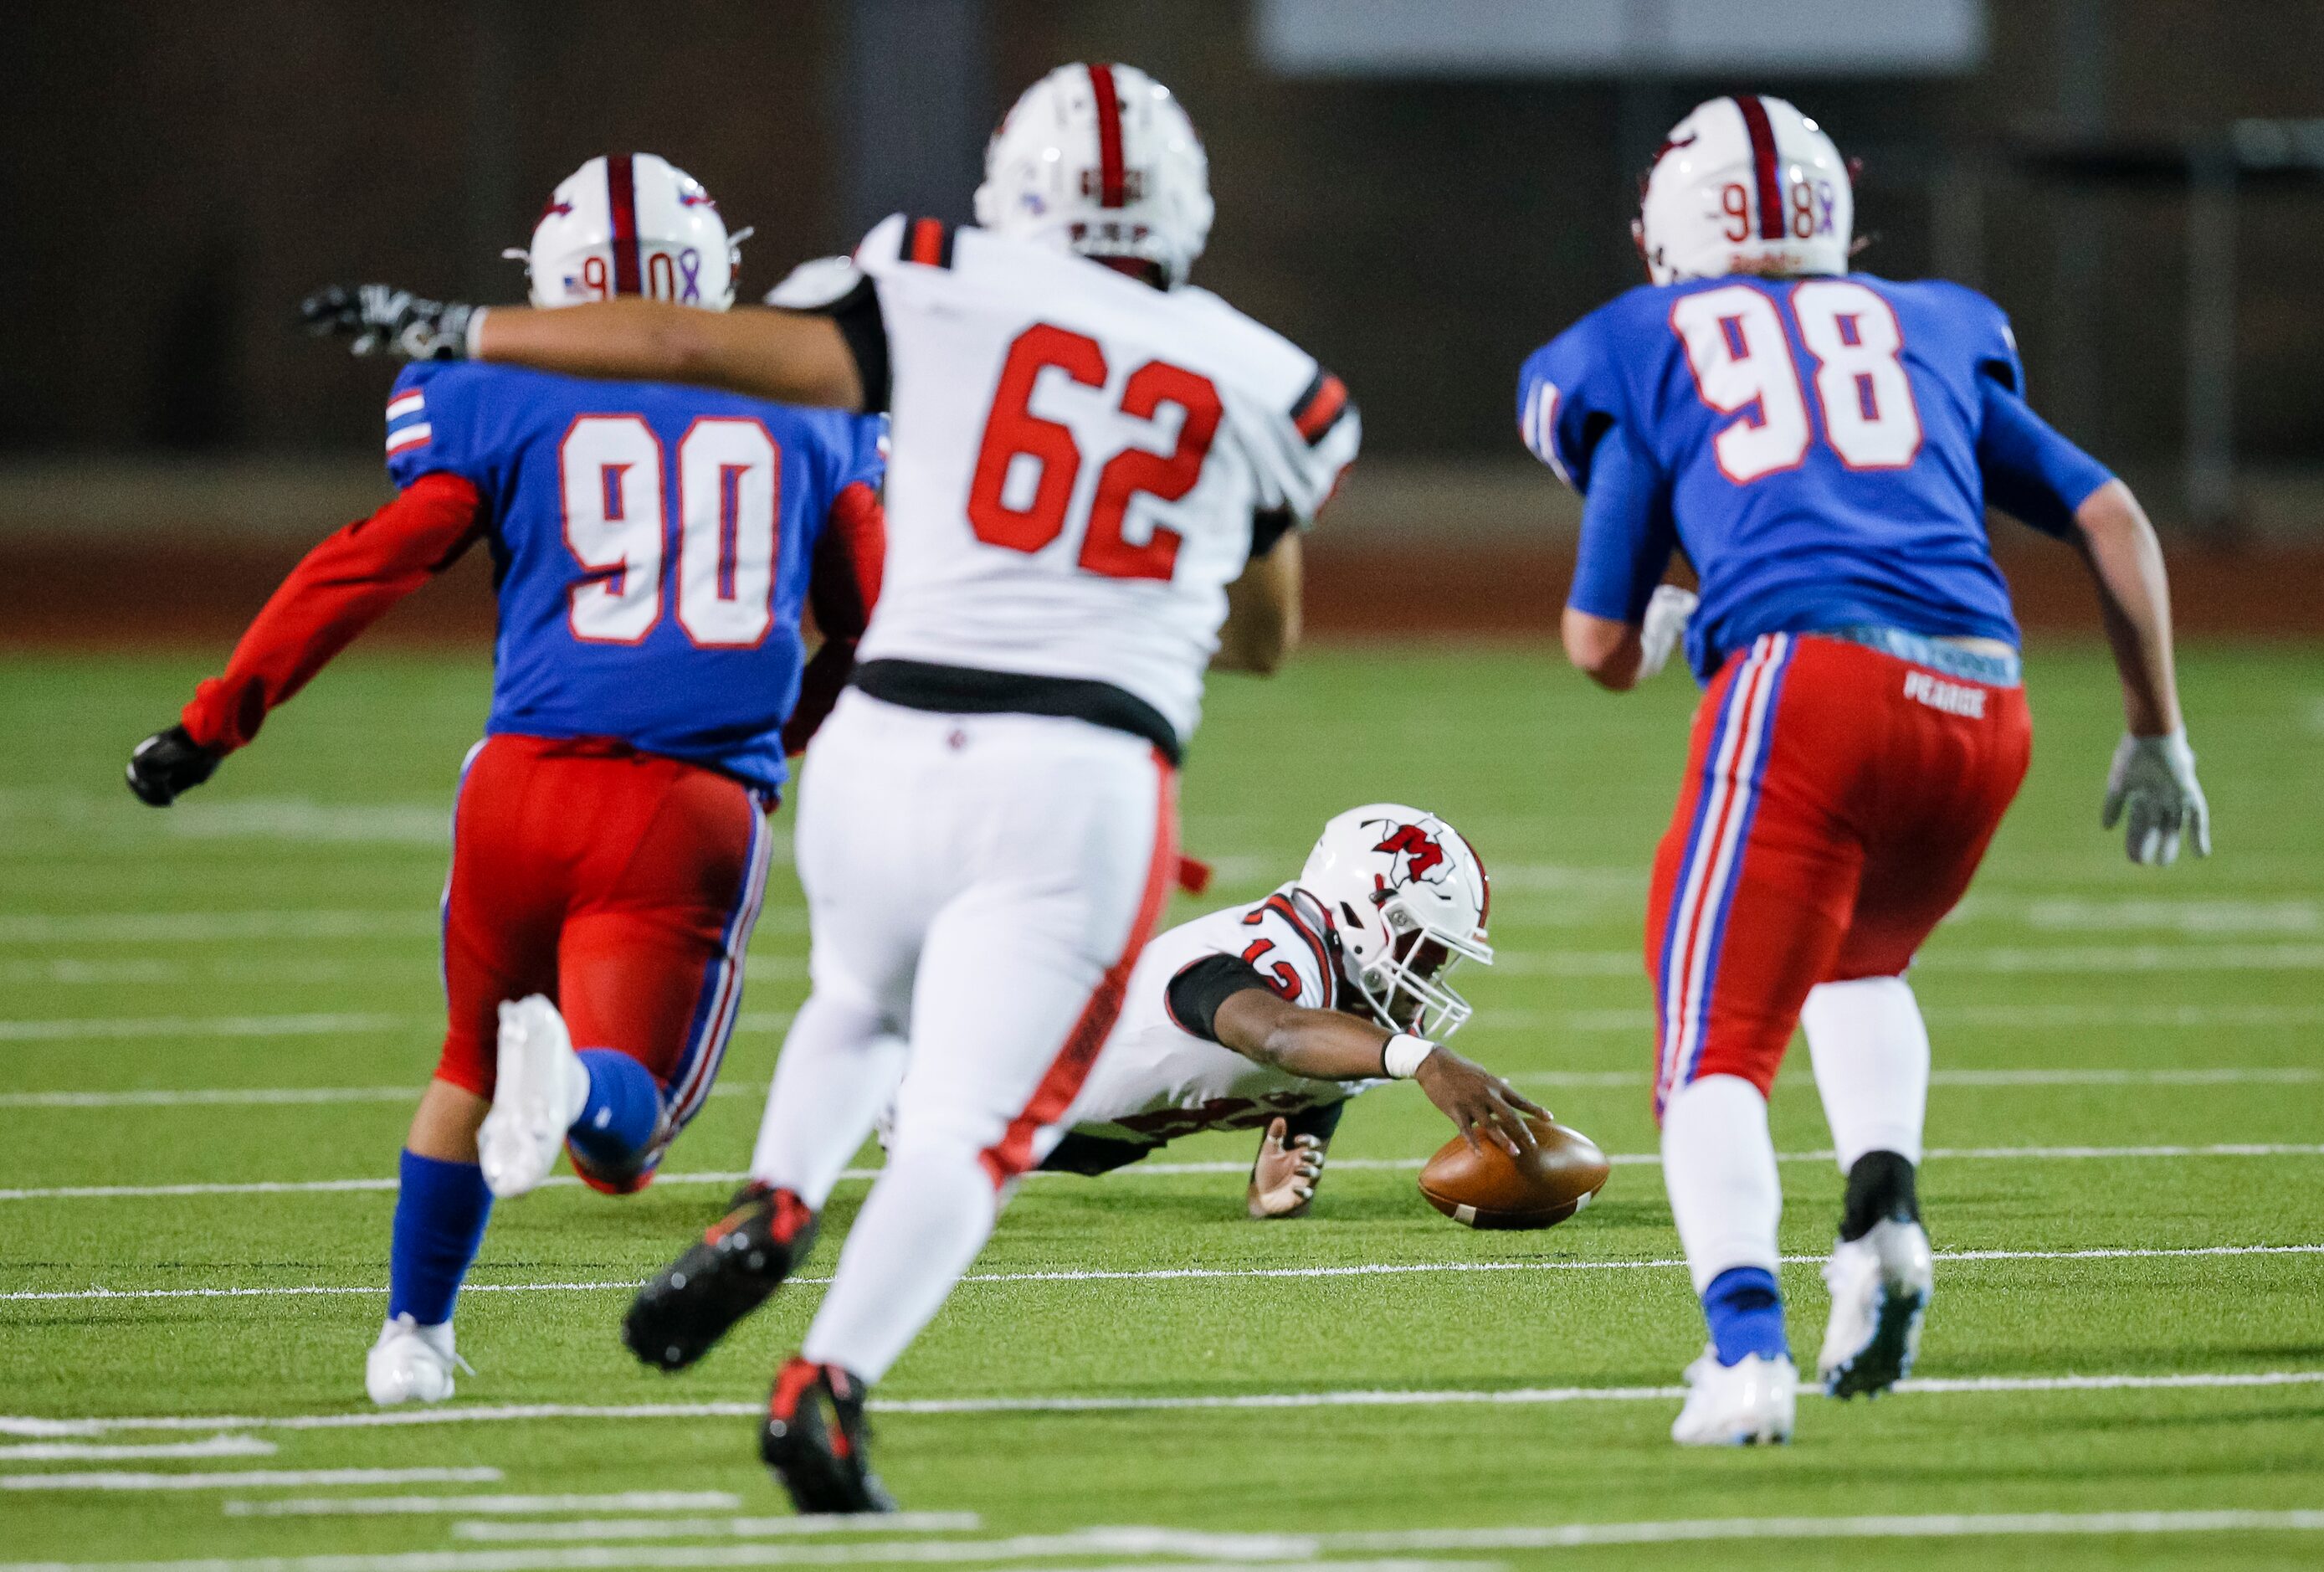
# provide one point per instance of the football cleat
(410, 1363)
(1880, 1288)
(541, 1089)
(1749, 1403)
(743, 1258)
(816, 1439)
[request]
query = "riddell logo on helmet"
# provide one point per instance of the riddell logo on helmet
(1424, 858)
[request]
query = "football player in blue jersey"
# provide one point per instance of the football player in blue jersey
(653, 547)
(1823, 447)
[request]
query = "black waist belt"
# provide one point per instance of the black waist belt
(966, 690)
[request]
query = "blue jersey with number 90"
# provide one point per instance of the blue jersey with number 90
(652, 547)
(1823, 450)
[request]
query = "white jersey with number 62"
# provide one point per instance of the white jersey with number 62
(1077, 458)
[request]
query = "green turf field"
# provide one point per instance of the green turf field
(2127, 1190)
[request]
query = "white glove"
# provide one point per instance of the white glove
(1664, 627)
(2154, 778)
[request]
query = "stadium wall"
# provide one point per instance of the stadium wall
(179, 554)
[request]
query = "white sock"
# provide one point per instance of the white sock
(840, 1066)
(1870, 1049)
(927, 1216)
(1719, 1164)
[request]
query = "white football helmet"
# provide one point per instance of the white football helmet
(1408, 899)
(1100, 159)
(633, 223)
(1744, 184)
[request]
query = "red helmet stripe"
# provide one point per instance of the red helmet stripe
(622, 197)
(1109, 181)
(1756, 126)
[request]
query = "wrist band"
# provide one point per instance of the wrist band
(471, 342)
(1400, 1055)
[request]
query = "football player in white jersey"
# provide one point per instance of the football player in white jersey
(1086, 452)
(1273, 1015)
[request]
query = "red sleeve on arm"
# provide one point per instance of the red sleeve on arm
(843, 587)
(338, 589)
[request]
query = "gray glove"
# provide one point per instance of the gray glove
(2154, 779)
(380, 316)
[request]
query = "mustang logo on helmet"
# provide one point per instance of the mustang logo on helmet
(1425, 859)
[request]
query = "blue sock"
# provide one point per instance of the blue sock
(440, 1209)
(1745, 1312)
(624, 1111)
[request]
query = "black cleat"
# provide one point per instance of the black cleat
(743, 1258)
(817, 1441)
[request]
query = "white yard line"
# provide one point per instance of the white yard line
(257, 1096)
(1950, 1017)
(1523, 1397)
(337, 1506)
(1935, 1526)
(215, 927)
(216, 1097)
(97, 1028)
(2212, 1076)
(134, 1452)
(2209, 1076)
(273, 1096)
(2004, 958)
(1151, 1275)
(247, 1478)
(93, 1029)
(743, 1553)
(1169, 1169)
(745, 1528)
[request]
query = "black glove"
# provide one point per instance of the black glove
(380, 317)
(168, 763)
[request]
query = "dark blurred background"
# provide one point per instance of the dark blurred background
(1419, 190)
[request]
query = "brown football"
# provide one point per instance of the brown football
(1492, 1189)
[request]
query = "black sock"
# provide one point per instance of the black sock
(1879, 1187)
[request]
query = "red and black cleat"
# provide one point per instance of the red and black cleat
(744, 1257)
(817, 1441)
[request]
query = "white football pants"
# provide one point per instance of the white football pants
(979, 886)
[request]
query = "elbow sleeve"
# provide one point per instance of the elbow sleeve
(1196, 993)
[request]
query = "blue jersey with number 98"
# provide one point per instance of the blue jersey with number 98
(1822, 450)
(651, 549)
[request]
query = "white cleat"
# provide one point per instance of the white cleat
(1750, 1403)
(1880, 1288)
(410, 1363)
(542, 1090)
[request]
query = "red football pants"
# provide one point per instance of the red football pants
(1836, 802)
(622, 886)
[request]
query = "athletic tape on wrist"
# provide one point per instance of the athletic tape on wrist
(472, 341)
(1401, 1055)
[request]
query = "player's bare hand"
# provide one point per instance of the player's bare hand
(1477, 1102)
(167, 763)
(2154, 780)
(1283, 1179)
(381, 318)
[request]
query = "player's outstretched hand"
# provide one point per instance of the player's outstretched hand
(1477, 1101)
(380, 317)
(2154, 780)
(1283, 1179)
(168, 763)
(1664, 627)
